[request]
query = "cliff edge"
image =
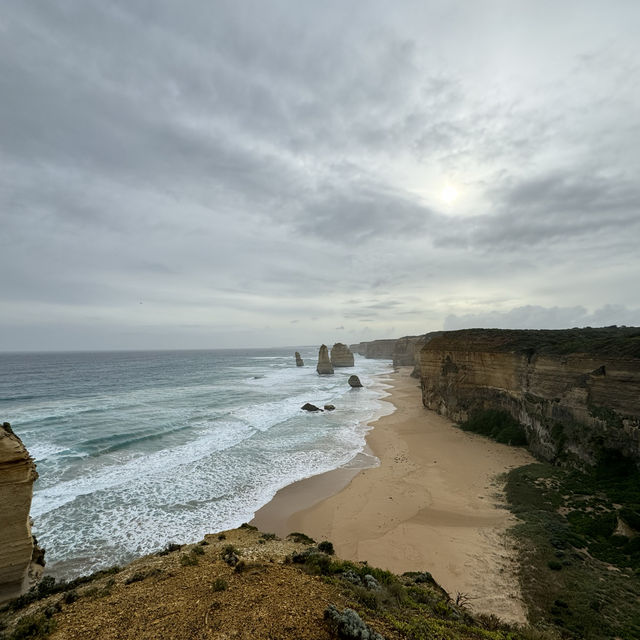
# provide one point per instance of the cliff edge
(21, 561)
(576, 391)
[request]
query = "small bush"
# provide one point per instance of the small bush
(188, 560)
(348, 625)
(170, 548)
(32, 627)
(138, 576)
(248, 527)
(268, 536)
(498, 425)
(70, 597)
(240, 567)
(300, 538)
(230, 555)
(554, 565)
(198, 551)
(219, 584)
(221, 536)
(326, 547)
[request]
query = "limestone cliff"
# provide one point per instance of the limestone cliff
(341, 355)
(324, 366)
(376, 349)
(17, 545)
(576, 392)
(406, 351)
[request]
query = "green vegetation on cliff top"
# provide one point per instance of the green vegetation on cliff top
(580, 546)
(602, 341)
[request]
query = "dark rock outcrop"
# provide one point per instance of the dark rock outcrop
(354, 381)
(310, 407)
(299, 360)
(341, 355)
(329, 407)
(576, 392)
(324, 363)
(21, 561)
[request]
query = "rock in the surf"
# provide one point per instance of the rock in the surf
(354, 381)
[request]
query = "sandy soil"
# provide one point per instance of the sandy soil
(433, 504)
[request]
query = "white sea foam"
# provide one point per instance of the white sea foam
(167, 447)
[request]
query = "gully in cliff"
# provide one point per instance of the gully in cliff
(21, 561)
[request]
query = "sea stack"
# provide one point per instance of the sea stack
(341, 355)
(21, 561)
(324, 364)
(299, 360)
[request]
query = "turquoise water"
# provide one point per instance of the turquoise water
(137, 449)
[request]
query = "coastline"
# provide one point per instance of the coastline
(421, 509)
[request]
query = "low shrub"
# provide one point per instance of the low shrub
(498, 425)
(188, 560)
(230, 555)
(348, 625)
(300, 538)
(198, 551)
(326, 547)
(219, 584)
(32, 627)
(170, 548)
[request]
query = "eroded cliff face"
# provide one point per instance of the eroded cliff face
(572, 405)
(21, 560)
(406, 351)
(376, 349)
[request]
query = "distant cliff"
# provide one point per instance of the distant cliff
(376, 349)
(576, 392)
(404, 352)
(17, 545)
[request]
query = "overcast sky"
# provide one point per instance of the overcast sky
(222, 174)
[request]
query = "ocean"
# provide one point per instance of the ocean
(138, 449)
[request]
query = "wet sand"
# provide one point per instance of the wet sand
(433, 504)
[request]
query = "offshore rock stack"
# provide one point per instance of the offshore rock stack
(341, 355)
(299, 360)
(324, 363)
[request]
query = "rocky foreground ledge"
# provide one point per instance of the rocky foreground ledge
(247, 584)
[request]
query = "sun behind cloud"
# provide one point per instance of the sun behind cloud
(449, 194)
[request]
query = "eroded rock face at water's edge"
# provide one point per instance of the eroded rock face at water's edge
(21, 561)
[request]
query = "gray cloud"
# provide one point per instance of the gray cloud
(546, 318)
(239, 165)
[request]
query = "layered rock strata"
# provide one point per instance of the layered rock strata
(576, 392)
(406, 351)
(324, 366)
(341, 355)
(376, 349)
(21, 560)
(299, 360)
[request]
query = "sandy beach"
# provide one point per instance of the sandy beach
(434, 503)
